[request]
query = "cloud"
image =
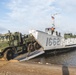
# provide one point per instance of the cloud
(23, 10)
(67, 6)
(31, 13)
(2, 29)
(34, 14)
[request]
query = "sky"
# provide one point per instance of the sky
(24, 15)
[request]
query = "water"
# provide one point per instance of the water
(68, 59)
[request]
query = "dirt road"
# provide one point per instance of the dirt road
(20, 68)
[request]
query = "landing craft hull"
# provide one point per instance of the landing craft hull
(46, 41)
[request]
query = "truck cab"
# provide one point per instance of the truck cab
(10, 44)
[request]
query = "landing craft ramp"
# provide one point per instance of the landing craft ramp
(33, 54)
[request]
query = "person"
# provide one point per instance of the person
(52, 29)
(56, 33)
(59, 34)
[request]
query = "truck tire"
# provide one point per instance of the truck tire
(36, 46)
(30, 47)
(8, 54)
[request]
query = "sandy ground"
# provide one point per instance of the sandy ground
(15, 67)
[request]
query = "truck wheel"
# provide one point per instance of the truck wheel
(30, 47)
(36, 46)
(8, 54)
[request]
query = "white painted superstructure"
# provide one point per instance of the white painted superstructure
(49, 42)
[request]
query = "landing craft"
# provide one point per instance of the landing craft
(52, 39)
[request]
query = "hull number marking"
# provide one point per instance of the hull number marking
(52, 41)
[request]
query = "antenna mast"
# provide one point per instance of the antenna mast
(53, 19)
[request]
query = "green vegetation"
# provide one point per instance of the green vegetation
(69, 35)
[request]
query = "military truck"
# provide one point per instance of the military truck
(16, 43)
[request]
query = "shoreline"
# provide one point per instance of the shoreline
(14, 67)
